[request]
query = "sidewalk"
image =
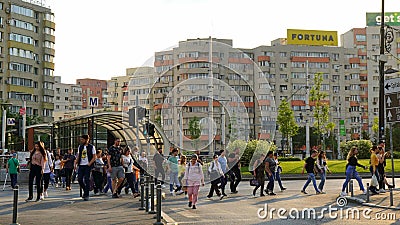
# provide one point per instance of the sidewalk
(62, 207)
(380, 201)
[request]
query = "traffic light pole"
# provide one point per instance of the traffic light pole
(3, 128)
(24, 125)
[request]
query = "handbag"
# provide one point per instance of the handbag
(254, 182)
(374, 181)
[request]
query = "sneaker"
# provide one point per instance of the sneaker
(163, 186)
(272, 193)
(266, 191)
(172, 193)
(322, 192)
(304, 192)
(390, 186)
(41, 197)
(318, 193)
(135, 195)
(179, 192)
(29, 200)
(261, 195)
(234, 192)
(209, 197)
(45, 194)
(382, 191)
(194, 207)
(222, 196)
(39, 200)
(86, 198)
(190, 204)
(282, 189)
(115, 195)
(343, 194)
(364, 192)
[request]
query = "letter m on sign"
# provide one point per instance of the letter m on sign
(93, 101)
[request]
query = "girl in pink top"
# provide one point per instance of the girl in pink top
(193, 178)
(37, 160)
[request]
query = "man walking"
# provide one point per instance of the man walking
(85, 160)
(114, 161)
(309, 166)
(158, 159)
(12, 168)
(234, 175)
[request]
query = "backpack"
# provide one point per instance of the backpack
(98, 164)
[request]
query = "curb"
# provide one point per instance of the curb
(329, 176)
(167, 219)
(364, 203)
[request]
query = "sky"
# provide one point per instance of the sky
(100, 39)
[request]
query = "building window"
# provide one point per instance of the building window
(361, 37)
(22, 11)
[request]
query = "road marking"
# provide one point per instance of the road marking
(168, 219)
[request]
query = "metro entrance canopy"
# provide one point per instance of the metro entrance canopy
(103, 128)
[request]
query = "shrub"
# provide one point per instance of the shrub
(283, 159)
(364, 147)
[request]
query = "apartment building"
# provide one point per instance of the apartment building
(93, 88)
(26, 57)
(67, 99)
(367, 42)
(257, 79)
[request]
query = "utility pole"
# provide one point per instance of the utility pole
(210, 100)
(307, 112)
(382, 61)
(338, 131)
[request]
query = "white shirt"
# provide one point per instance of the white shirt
(48, 163)
(127, 163)
(215, 166)
(57, 164)
(84, 157)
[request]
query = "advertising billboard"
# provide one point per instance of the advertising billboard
(312, 37)
(391, 19)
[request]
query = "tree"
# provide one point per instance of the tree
(287, 124)
(157, 120)
(195, 131)
(321, 108)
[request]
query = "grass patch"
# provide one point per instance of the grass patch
(336, 166)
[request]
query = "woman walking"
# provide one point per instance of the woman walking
(374, 168)
(130, 171)
(216, 173)
(278, 171)
(181, 173)
(322, 169)
(37, 160)
(69, 164)
(259, 174)
(193, 177)
(270, 168)
(351, 172)
(48, 169)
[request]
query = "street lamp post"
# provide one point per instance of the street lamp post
(382, 61)
(4, 125)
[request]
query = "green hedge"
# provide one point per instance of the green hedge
(286, 159)
(363, 146)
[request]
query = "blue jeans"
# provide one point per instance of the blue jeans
(13, 177)
(83, 179)
(278, 178)
(311, 177)
(173, 179)
(323, 178)
(350, 174)
(270, 185)
(108, 185)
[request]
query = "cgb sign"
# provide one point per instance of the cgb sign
(312, 37)
(391, 19)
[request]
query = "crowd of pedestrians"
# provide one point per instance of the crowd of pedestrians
(119, 168)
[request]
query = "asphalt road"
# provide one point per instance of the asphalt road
(242, 208)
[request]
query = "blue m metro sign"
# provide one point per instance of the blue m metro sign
(93, 101)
